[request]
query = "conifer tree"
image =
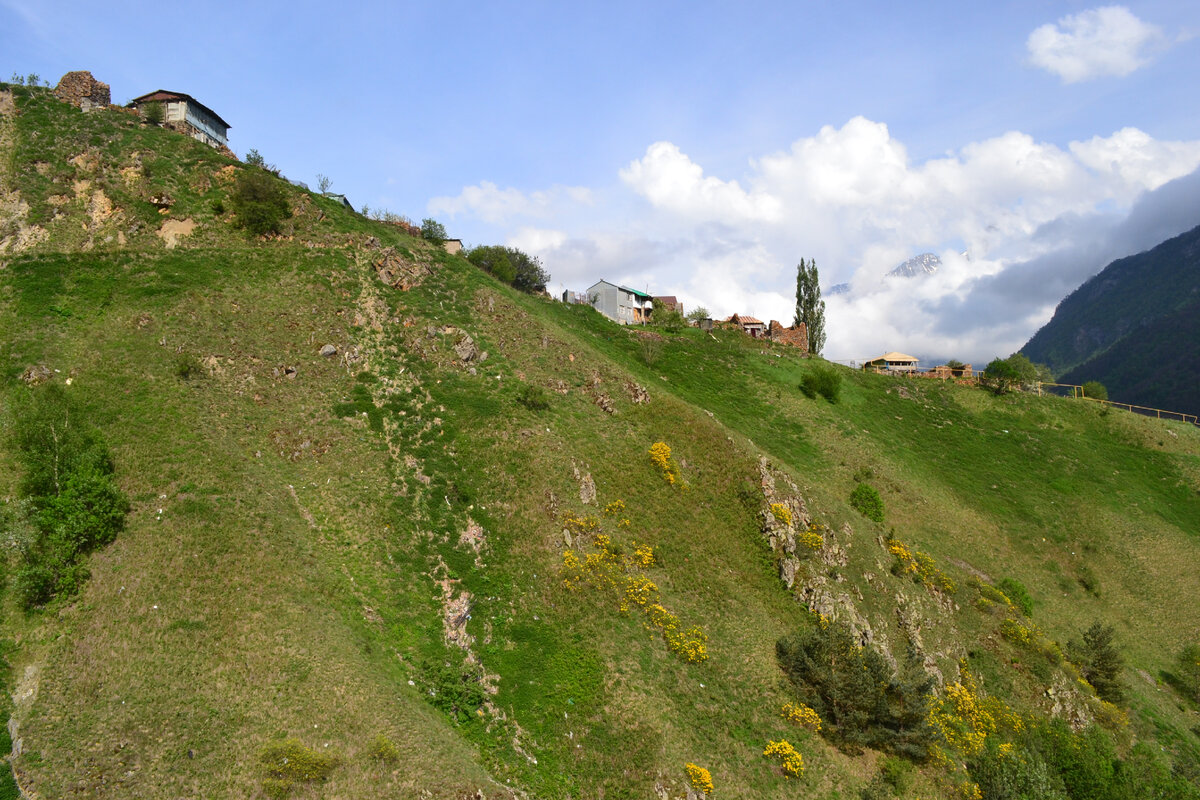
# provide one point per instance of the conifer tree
(810, 308)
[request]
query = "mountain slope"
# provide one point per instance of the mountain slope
(375, 548)
(1126, 308)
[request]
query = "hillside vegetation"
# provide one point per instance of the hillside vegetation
(496, 546)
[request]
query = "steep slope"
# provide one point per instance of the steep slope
(1126, 308)
(447, 556)
(1157, 365)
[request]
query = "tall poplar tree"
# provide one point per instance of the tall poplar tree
(810, 308)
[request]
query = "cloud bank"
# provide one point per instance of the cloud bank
(1018, 223)
(1099, 42)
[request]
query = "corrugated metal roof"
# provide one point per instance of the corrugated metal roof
(161, 95)
(636, 293)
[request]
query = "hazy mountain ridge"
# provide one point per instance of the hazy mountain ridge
(1128, 327)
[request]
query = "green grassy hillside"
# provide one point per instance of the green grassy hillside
(443, 560)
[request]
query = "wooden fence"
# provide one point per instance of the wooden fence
(1146, 411)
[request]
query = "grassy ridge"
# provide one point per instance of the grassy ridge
(336, 550)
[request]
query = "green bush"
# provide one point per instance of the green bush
(70, 503)
(860, 700)
(534, 398)
(1015, 591)
(1187, 672)
(289, 762)
(1015, 775)
(865, 500)
(384, 749)
(260, 202)
(1095, 390)
(823, 381)
(1100, 661)
(153, 113)
(512, 266)
(433, 231)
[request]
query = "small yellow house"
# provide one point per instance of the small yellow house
(892, 362)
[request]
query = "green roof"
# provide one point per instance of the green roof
(642, 295)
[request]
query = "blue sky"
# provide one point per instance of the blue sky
(702, 149)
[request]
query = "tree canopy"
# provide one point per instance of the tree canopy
(508, 264)
(810, 308)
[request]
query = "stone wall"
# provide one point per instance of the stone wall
(83, 91)
(796, 336)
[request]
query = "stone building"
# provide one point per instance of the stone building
(83, 91)
(187, 115)
(796, 336)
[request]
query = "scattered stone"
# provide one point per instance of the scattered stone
(38, 374)
(329, 351)
(173, 230)
(637, 393)
(587, 490)
(465, 349)
(162, 200)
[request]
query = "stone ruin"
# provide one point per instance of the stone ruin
(83, 91)
(796, 336)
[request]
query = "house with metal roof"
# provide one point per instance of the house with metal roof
(892, 362)
(619, 303)
(751, 326)
(186, 114)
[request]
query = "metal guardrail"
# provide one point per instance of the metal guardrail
(1146, 411)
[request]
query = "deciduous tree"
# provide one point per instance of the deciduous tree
(810, 308)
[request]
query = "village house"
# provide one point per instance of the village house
(452, 246)
(619, 303)
(750, 326)
(187, 115)
(892, 362)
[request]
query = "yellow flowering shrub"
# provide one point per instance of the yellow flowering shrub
(614, 508)
(639, 591)
(781, 513)
(964, 717)
(644, 556)
(660, 456)
(699, 778)
(922, 565)
(801, 715)
(577, 524)
(811, 537)
(790, 760)
(607, 568)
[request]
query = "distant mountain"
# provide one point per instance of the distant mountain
(924, 264)
(838, 288)
(1135, 327)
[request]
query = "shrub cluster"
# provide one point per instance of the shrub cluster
(699, 778)
(259, 201)
(70, 503)
(289, 762)
(1016, 592)
(512, 266)
(1100, 661)
(855, 693)
(823, 381)
(790, 761)
(865, 500)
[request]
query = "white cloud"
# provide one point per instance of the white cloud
(1098, 42)
(670, 180)
(492, 204)
(1030, 214)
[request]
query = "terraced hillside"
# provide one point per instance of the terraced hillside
(395, 529)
